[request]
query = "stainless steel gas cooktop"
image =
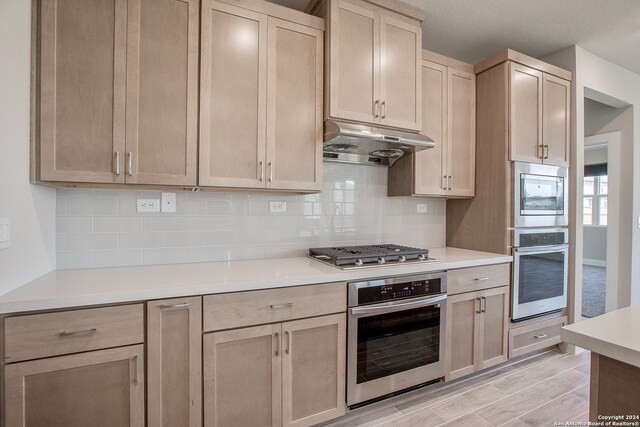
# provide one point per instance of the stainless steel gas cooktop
(351, 257)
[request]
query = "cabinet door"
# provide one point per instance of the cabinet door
(461, 162)
(525, 120)
(494, 327)
(400, 81)
(354, 62)
(462, 335)
(556, 116)
(242, 377)
(430, 165)
(313, 370)
(82, 90)
(97, 388)
(294, 106)
(233, 73)
(174, 362)
(162, 92)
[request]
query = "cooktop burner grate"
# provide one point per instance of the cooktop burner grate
(368, 254)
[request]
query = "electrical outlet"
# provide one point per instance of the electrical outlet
(168, 202)
(277, 207)
(148, 205)
(421, 208)
(5, 233)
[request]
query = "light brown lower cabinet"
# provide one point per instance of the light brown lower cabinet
(282, 374)
(174, 362)
(477, 328)
(102, 388)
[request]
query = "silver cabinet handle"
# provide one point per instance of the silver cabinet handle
(117, 161)
(479, 310)
(277, 336)
(130, 163)
(376, 104)
(483, 306)
(539, 337)
(450, 181)
(383, 109)
(445, 182)
(78, 333)
(270, 171)
(134, 361)
(545, 151)
(285, 305)
(481, 279)
(174, 306)
(541, 151)
(261, 170)
(288, 349)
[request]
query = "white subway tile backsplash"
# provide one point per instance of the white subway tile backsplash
(101, 228)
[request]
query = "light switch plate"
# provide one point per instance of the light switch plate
(5, 233)
(277, 207)
(148, 205)
(421, 208)
(168, 202)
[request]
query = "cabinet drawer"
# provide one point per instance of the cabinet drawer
(51, 334)
(535, 336)
(478, 278)
(234, 310)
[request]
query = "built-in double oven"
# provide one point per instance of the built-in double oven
(396, 334)
(540, 240)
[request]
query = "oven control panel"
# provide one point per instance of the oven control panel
(400, 290)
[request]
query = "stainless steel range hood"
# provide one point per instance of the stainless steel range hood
(347, 142)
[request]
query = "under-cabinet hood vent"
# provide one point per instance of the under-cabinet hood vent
(346, 142)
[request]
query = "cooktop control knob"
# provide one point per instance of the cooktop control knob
(401, 258)
(359, 263)
(381, 260)
(421, 257)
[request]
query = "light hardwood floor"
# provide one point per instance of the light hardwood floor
(535, 391)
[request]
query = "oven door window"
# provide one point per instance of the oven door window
(541, 195)
(396, 342)
(541, 276)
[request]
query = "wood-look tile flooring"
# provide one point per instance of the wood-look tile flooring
(535, 391)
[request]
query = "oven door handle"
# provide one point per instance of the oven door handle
(394, 307)
(541, 249)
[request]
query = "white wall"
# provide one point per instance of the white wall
(30, 208)
(100, 228)
(605, 82)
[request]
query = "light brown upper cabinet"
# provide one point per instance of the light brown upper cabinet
(539, 116)
(448, 117)
(117, 96)
(373, 61)
(260, 98)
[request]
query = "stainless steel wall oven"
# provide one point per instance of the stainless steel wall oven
(396, 334)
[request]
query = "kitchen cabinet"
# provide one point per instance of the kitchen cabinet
(289, 374)
(373, 62)
(448, 117)
(62, 391)
(261, 99)
(174, 362)
(539, 116)
(477, 331)
(117, 98)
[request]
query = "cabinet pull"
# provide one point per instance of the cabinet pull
(78, 333)
(481, 279)
(539, 337)
(375, 109)
(383, 109)
(134, 361)
(483, 305)
(450, 182)
(479, 310)
(545, 151)
(270, 171)
(277, 336)
(288, 349)
(117, 161)
(261, 164)
(130, 163)
(174, 306)
(445, 181)
(285, 305)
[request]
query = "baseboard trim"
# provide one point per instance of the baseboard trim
(594, 262)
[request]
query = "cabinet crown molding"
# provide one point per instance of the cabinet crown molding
(512, 55)
(397, 6)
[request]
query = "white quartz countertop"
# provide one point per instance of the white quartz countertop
(71, 288)
(615, 335)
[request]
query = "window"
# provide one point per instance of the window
(595, 200)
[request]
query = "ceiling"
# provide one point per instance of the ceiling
(473, 30)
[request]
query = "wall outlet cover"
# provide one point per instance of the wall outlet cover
(5, 233)
(421, 208)
(168, 202)
(277, 207)
(148, 205)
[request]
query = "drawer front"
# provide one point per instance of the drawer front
(235, 310)
(478, 278)
(536, 336)
(52, 334)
